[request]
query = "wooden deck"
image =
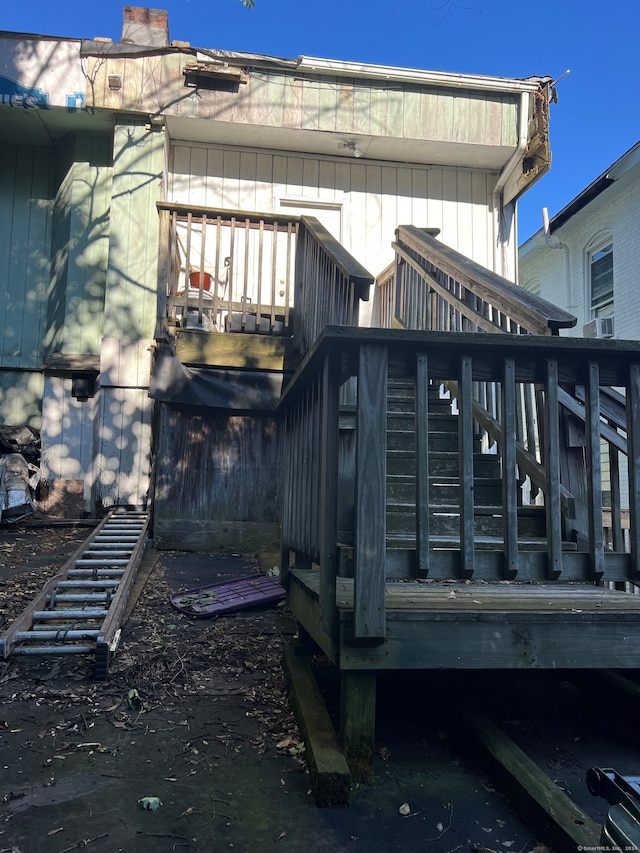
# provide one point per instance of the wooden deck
(471, 625)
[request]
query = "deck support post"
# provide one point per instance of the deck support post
(369, 617)
(552, 464)
(465, 451)
(422, 464)
(633, 439)
(594, 470)
(509, 471)
(328, 508)
(358, 722)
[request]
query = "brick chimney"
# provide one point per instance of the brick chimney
(149, 27)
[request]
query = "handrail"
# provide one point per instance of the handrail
(527, 461)
(476, 297)
(339, 283)
(352, 269)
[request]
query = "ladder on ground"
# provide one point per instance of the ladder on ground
(80, 610)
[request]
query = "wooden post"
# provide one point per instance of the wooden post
(358, 722)
(594, 470)
(230, 267)
(328, 771)
(465, 446)
(288, 480)
(509, 480)
(422, 464)
(371, 481)
(552, 466)
(166, 272)
(633, 446)
(617, 539)
(328, 531)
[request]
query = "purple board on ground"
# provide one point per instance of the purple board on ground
(227, 596)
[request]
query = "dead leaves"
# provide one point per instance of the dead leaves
(292, 745)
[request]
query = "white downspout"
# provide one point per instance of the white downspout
(553, 243)
(499, 264)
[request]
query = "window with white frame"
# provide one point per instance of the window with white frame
(600, 267)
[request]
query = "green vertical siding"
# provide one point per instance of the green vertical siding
(21, 397)
(130, 305)
(26, 179)
(79, 249)
(59, 265)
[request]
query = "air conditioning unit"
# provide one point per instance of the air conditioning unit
(601, 327)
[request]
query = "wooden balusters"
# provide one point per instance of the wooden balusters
(552, 467)
(509, 472)
(328, 495)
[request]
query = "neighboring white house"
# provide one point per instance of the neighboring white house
(588, 259)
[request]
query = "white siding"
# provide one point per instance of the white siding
(375, 197)
(67, 434)
(21, 397)
(122, 462)
(124, 436)
(544, 269)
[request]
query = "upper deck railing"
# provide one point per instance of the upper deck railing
(255, 273)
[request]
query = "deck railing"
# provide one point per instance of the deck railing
(317, 484)
(430, 286)
(237, 271)
(329, 283)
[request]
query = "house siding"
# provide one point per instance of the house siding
(297, 100)
(375, 197)
(543, 269)
(130, 303)
(26, 186)
(21, 394)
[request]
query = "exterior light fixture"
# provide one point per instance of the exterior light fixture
(350, 146)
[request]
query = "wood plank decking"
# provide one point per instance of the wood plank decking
(474, 625)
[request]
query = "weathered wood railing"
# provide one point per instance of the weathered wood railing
(226, 270)
(237, 271)
(430, 286)
(315, 485)
(340, 283)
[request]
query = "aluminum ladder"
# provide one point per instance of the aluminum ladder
(79, 611)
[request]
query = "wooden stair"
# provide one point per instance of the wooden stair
(444, 488)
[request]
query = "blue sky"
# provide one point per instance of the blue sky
(596, 119)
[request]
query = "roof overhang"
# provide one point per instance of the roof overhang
(330, 144)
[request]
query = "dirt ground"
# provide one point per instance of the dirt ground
(190, 744)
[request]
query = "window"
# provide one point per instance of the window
(601, 281)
